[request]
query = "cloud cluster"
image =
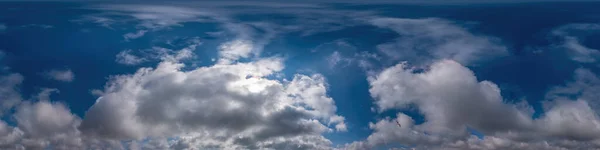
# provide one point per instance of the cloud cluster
(452, 100)
(226, 106)
(41, 124)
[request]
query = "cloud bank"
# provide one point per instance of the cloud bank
(452, 100)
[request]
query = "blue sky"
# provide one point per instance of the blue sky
(302, 75)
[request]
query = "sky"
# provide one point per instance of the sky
(331, 75)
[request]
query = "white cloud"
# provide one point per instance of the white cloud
(101, 20)
(125, 57)
(130, 57)
(41, 124)
(574, 120)
(2, 27)
(424, 40)
(9, 92)
(234, 50)
(247, 42)
(61, 75)
(153, 17)
(227, 106)
(138, 34)
(579, 52)
(434, 94)
(448, 111)
(337, 60)
(45, 123)
(572, 41)
(9, 136)
(586, 86)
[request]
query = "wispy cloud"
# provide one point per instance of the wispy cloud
(125, 57)
(61, 75)
(423, 40)
(2, 27)
(43, 26)
(135, 35)
(571, 36)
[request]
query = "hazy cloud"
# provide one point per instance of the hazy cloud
(422, 41)
(135, 35)
(572, 35)
(61, 75)
(125, 57)
(9, 91)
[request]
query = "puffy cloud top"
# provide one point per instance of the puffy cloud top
(232, 105)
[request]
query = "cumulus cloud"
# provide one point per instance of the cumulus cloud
(337, 59)
(434, 94)
(46, 123)
(135, 35)
(421, 41)
(41, 124)
(449, 111)
(226, 106)
(61, 75)
(9, 136)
